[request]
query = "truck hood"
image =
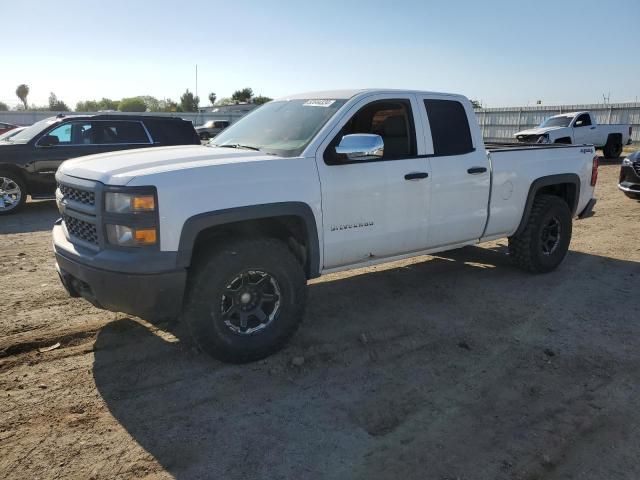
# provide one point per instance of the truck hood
(119, 168)
(538, 130)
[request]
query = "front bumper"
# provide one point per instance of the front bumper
(131, 283)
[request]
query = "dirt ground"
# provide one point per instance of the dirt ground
(454, 366)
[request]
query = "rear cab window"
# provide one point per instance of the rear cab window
(449, 125)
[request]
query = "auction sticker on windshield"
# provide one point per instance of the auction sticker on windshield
(318, 103)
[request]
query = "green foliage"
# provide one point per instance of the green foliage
(167, 105)
(476, 103)
(132, 104)
(22, 92)
(56, 105)
(261, 99)
(4, 107)
(212, 98)
(87, 106)
(108, 104)
(225, 101)
(189, 102)
(243, 95)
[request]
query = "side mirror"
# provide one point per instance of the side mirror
(48, 141)
(360, 147)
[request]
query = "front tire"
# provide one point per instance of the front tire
(13, 192)
(246, 298)
(544, 242)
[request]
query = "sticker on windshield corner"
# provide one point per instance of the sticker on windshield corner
(318, 103)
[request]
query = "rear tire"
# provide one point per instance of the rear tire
(544, 242)
(13, 192)
(245, 299)
(613, 148)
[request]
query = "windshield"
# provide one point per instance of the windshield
(28, 133)
(282, 128)
(557, 121)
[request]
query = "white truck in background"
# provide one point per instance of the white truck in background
(225, 236)
(579, 128)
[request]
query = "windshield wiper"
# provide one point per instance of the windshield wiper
(237, 145)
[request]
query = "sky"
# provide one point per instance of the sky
(503, 53)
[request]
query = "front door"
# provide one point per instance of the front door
(376, 208)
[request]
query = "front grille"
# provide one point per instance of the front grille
(80, 229)
(636, 167)
(528, 138)
(76, 195)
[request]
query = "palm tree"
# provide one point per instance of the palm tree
(22, 91)
(212, 98)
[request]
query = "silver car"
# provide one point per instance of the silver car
(211, 128)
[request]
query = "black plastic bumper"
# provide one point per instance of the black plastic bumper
(150, 295)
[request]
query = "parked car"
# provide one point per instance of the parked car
(225, 235)
(212, 128)
(5, 127)
(10, 133)
(579, 128)
(29, 159)
(630, 176)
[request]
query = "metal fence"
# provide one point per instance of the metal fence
(497, 124)
(29, 117)
(500, 124)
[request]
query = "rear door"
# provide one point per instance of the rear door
(375, 208)
(460, 182)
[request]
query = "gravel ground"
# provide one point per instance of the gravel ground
(455, 366)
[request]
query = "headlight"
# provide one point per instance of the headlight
(116, 202)
(124, 236)
(626, 162)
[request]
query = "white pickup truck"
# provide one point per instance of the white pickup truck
(579, 128)
(226, 235)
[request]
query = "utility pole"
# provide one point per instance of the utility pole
(196, 79)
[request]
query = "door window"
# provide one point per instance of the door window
(583, 120)
(391, 119)
(119, 132)
(72, 133)
(449, 127)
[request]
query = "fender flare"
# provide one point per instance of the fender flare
(546, 181)
(198, 223)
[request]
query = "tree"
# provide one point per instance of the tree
(4, 107)
(167, 105)
(225, 101)
(212, 98)
(133, 104)
(189, 102)
(476, 103)
(87, 106)
(261, 99)
(108, 104)
(56, 105)
(243, 95)
(22, 92)
(152, 103)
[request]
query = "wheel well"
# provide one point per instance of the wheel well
(289, 229)
(566, 191)
(614, 138)
(566, 140)
(16, 171)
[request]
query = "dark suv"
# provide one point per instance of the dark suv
(29, 159)
(630, 176)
